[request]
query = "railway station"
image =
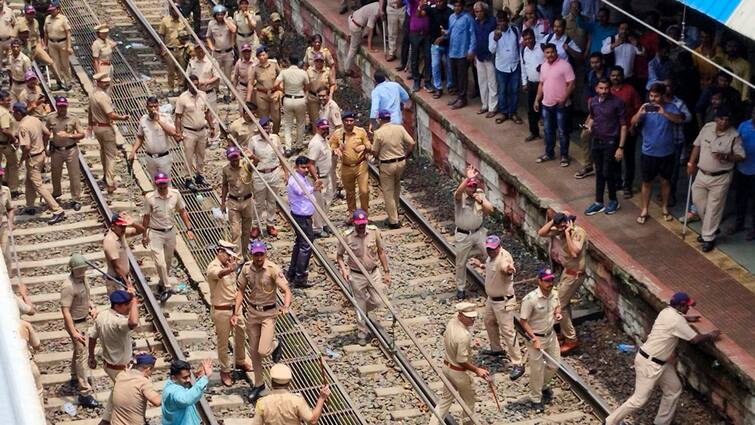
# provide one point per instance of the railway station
(356, 212)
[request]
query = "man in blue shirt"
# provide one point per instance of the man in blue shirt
(300, 195)
(388, 96)
(744, 179)
(503, 43)
(597, 31)
(179, 395)
(656, 120)
(461, 47)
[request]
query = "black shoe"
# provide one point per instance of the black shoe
(709, 245)
(700, 239)
(88, 402)
(303, 284)
(190, 185)
(29, 211)
(57, 218)
(492, 353)
(547, 395)
(76, 205)
(460, 295)
(390, 225)
(278, 352)
(199, 179)
(538, 407)
(73, 383)
(343, 10)
(255, 392)
(671, 201)
(326, 230)
(516, 372)
(164, 293)
(15, 194)
(319, 235)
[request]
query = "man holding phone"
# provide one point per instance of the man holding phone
(152, 134)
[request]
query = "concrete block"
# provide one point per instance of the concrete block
(400, 415)
(371, 369)
(388, 392)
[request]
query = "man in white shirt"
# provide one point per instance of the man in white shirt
(504, 44)
(532, 58)
(624, 48)
(565, 46)
(320, 153)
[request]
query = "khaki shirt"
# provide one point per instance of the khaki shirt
(241, 71)
(366, 16)
(269, 35)
(168, 30)
(569, 262)
(293, 79)
(669, 327)
(234, 179)
(33, 26)
(710, 142)
(353, 146)
(28, 335)
(18, 67)
(32, 96)
(365, 248)
(5, 206)
(162, 208)
(130, 393)
(468, 214)
(222, 37)
(30, 131)
(112, 329)
(321, 79)
(539, 311)
(5, 122)
(261, 284)
(222, 289)
(75, 295)
(100, 106)
(242, 131)
(457, 340)
(192, 109)
(319, 151)
(155, 138)
(331, 112)
(204, 70)
(241, 19)
(389, 141)
(309, 55)
(103, 49)
(263, 76)
(264, 151)
(7, 22)
(497, 280)
(116, 251)
(281, 407)
(68, 124)
(56, 27)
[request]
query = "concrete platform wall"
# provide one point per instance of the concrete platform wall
(629, 297)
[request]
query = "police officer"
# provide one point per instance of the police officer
(209, 81)
(221, 278)
(102, 50)
(320, 153)
(391, 146)
(33, 97)
(367, 244)
(7, 214)
(294, 82)
(315, 47)
(114, 328)
(262, 88)
(169, 29)
(320, 77)
(272, 35)
(246, 25)
(115, 247)
(351, 145)
(191, 121)
(31, 44)
(470, 208)
(716, 150)
(540, 310)
(7, 28)
(58, 41)
(329, 109)
(160, 234)
(457, 341)
(133, 390)
(267, 163)
(284, 408)
(8, 144)
(18, 65)
(66, 131)
(221, 31)
(654, 362)
(183, 52)
(240, 73)
(235, 198)
(573, 242)
(258, 285)
(243, 128)
(152, 134)
(101, 117)
(32, 137)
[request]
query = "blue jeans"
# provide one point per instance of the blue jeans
(508, 90)
(438, 54)
(555, 121)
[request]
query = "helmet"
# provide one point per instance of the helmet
(77, 261)
(219, 9)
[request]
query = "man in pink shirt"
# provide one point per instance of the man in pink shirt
(554, 91)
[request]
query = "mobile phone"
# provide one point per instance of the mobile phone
(651, 108)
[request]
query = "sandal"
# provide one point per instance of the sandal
(516, 119)
(643, 218)
(667, 216)
(565, 161)
(543, 158)
(491, 114)
(503, 118)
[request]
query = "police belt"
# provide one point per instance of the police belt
(158, 155)
(351, 18)
(262, 307)
(104, 62)
(101, 124)
(543, 335)
(293, 96)
(195, 129)
(503, 298)
(36, 154)
(454, 367)
(223, 307)
(210, 90)
(390, 161)
(268, 170)
(223, 50)
(652, 359)
(468, 232)
(715, 173)
(168, 229)
(240, 198)
(243, 84)
(19, 81)
(82, 320)
(115, 366)
(354, 164)
(263, 90)
(572, 272)
(64, 148)
(359, 272)
(5, 38)
(313, 93)
(243, 34)
(58, 40)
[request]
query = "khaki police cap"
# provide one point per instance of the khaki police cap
(280, 373)
(466, 308)
(102, 28)
(229, 247)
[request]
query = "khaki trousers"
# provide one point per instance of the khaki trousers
(69, 157)
(113, 375)
(462, 382)
(260, 328)
(355, 40)
(467, 246)
(324, 197)
(264, 199)
(11, 166)
(241, 217)
(648, 374)
(353, 177)
(195, 144)
(499, 322)
(709, 195)
(34, 184)
(79, 368)
(175, 78)
(366, 296)
(222, 320)
(567, 287)
(541, 371)
(162, 165)
(270, 107)
(395, 18)
(390, 184)
(60, 56)
(294, 109)
(225, 61)
(108, 152)
(252, 40)
(162, 246)
(5, 246)
(41, 56)
(15, 91)
(313, 110)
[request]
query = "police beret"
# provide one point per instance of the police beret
(347, 114)
(384, 114)
(120, 296)
(257, 246)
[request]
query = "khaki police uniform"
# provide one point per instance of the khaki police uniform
(32, 47)
(223, 299)
(57, 30)
(204, 70)
(262, 78)
(111, 328)
(366, 249)
(246, 22)
(281, 407)
(130, 398)
(653, 367)
(395, 13)
(222, 42)
(5, 207)
(360, 21)
(7, 29)
(162, 232)
(156, 145)
(18, 66)
(102, 52)
(240, 75)
(572, 277)
(116, 251)
(391, 144)
(192, 108)
(29, 336)
(354, 149)
(469, 239)
(273, 39)
(100, 108)
(318, 79)
(500, 306)
(64, 151)
(30, 131)
(320, 153)
(183, 54)
(331, 112)
(34, 100)
(268, 169)
(7, 150)
(75, 295)
(294, 80)
(243, 131)
(237, 185)
(259, 296)
(713, 175)
(539, 312)
(309, 57)
(168, 30)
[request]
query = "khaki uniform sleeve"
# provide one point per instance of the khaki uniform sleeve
(526, 311)
(23, 137)
(379, 240)
(462, 351)
(96, 49)
(406, 137)
(280, 278)
(66, 24)
(66, 296)
(180, 205)
(377, 141)
(213, 271)
(111, 250)
(334, 139)
(5, 121)
(147, 207)
(683, 330)
(242, 280)
(180, 105)
(148, 390)
(259, 413)
(737, 147)
(94, 331)
(303, 410)
(104, 102)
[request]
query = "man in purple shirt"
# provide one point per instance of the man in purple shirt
(300, 194)
(419, 42)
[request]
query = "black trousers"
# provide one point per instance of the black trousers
(630, 161)
(302, 251)
(420, 44)
(459, 76)
(607, 169)
(533, 118)
(193, 8)
(405, 44)
(744, 186)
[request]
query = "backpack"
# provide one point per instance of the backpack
(609, 59)
(568, 40)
